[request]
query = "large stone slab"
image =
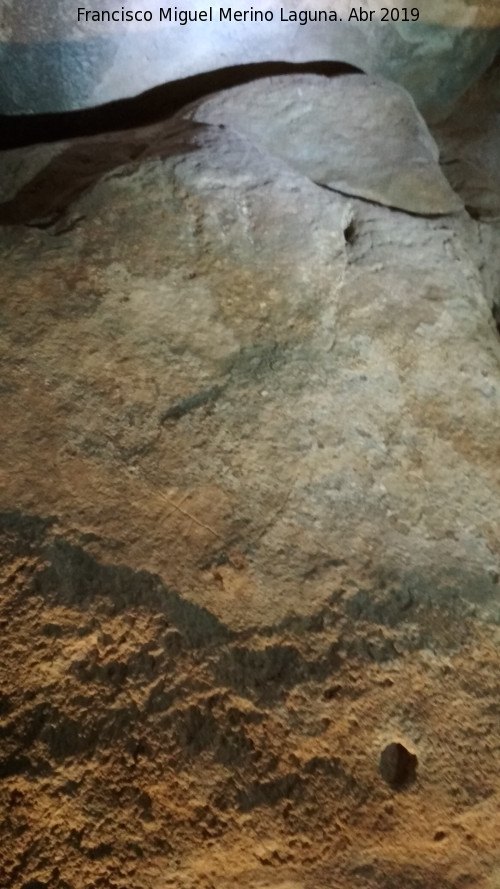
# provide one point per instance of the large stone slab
(359, 135)
(249, 526)
(301, 350)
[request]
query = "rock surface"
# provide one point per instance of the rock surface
(250, 491)
(52, 62)
(359, 135)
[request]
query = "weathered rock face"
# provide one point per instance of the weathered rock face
(52, 61)
(249, 533)
(379, 148)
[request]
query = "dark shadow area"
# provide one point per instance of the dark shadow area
(120, 133)
(67, 575)
(149, 107)
(43, 200)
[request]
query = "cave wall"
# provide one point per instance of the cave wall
(50, 62)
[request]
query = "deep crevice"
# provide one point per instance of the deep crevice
(149, 107)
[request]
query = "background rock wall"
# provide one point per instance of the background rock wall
(49, 62)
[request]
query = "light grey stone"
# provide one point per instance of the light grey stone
(327, 367)
(51, 62)
(359, 135)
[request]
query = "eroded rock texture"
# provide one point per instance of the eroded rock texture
(250, 521)
(359, 135)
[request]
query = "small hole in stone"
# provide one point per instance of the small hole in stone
(473, 212)
(439, 835)
(350, 232)
(397, 765)
(495, 311)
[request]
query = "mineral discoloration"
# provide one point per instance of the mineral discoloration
(211, 629)
(143, 741)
